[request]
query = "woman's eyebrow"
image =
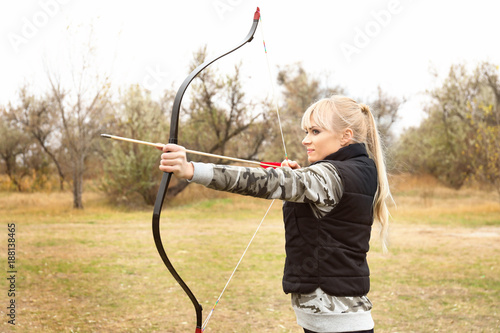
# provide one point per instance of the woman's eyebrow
(311, 128)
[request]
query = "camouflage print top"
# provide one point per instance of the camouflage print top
(319, 185)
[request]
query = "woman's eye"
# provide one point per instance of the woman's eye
(312, 131)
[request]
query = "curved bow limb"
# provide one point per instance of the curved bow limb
(182, 89)
(162, 191)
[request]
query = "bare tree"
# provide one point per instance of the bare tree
(82, 106)
(38, 118)
(82, 114)
(218, 113)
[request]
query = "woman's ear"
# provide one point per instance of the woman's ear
(346, 137)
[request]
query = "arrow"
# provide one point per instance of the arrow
(194, 152)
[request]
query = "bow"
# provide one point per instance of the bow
(162, 191)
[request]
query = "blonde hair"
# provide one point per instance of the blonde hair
(338, 113)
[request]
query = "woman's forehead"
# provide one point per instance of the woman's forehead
(311, 123)
(316, 119)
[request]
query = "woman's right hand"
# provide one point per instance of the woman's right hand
(290, 164)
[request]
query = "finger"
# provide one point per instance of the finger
(178, 157)
(171, 159)
(291, 164)
(171, 147)
(169, 168)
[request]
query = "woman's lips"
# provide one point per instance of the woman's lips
(309, 151)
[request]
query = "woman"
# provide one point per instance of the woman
(328, 211)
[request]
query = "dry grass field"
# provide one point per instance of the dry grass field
(97, 270)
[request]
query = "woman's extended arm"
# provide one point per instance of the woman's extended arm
(319, 184)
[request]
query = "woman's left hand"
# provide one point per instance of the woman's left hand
(174, 160)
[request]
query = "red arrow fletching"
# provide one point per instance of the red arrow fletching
(273, 165)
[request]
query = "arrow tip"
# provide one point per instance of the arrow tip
(106, 136)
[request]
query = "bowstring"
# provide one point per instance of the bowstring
(205, 323)
(275, 102)
(273, 87)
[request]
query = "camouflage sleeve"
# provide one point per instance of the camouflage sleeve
(319, 184)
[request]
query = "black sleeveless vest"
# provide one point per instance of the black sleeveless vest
(330, 252)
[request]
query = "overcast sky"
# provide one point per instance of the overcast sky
(356, 44)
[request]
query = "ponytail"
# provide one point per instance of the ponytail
(374, 147)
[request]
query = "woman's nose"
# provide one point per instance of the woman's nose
(306, 141)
